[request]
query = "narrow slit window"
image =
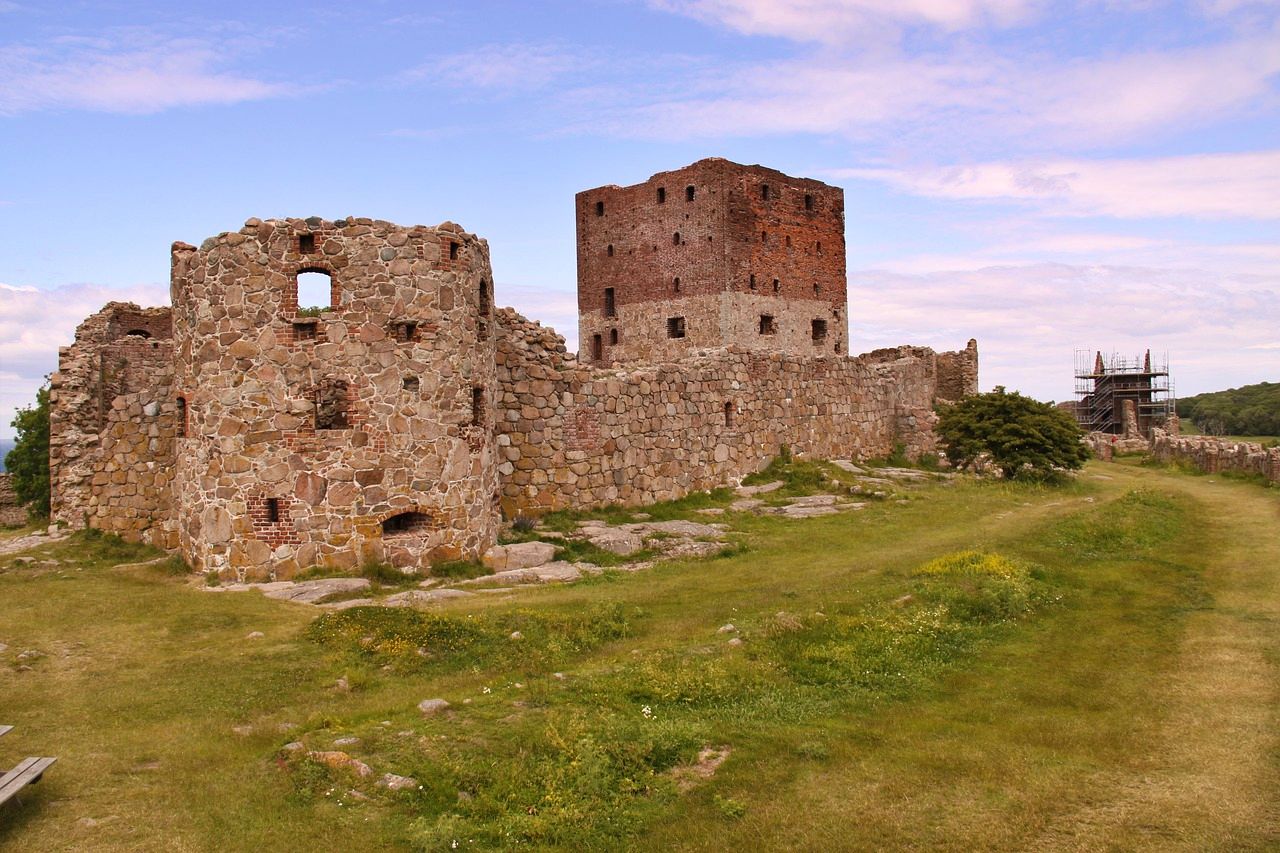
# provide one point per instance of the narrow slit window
(753, 282)
(306, 244)
(662, 195)
(484, 300)
(675, 239)
(315, 292)
(764, 192)
(788, 241)
(777, 286)
(182, 417)
(613, 337)
(808, 202)
(597, 348)
(599, 208)
(610, 303)
(688, 193)
(819, 331)
(453, 251)
(764, 237)
(675, 285)
(818, 246)
(273, 510)
(610, 250)
(477, 406)
(729, 411)
(675, 327)
(817, 288)
(766, 325)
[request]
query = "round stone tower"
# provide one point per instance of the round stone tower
(357, 430)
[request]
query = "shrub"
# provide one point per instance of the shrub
(1020, 434)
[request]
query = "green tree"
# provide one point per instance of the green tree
(1022, 435)
(28, 461)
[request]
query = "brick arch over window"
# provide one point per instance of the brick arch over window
(412, 522)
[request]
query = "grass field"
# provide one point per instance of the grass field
(987, 666)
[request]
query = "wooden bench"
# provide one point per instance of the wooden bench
(28, 772)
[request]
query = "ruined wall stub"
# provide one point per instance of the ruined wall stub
(711, 255)
(112, 424)
(363, 433)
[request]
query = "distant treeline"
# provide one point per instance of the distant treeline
(1249, 410)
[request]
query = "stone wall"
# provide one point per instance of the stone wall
(710, 255)
(363, 433)
(112, 425)
(1213, 455)
(958, 373)
(576, 435)
(11, 513)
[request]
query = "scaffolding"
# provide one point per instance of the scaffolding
(1104, 384)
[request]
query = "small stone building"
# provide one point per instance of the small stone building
(257, 433)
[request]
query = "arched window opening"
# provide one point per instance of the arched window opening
(675, 285)
(406, 524)
(729, 411)
(613, 337)
(315, 292)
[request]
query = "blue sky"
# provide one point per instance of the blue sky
(1043, 176)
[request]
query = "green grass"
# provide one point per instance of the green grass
(992, 666)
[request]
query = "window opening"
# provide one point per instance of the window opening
(304, 331)
(764, 236)
(315, 292)
(816, 288)
(306, 244)
(610, 250)
(597, 348)
(818, 245)
(662, 195)
(753, 282)
(453, 251)
(766, 324)
(477, 406)
(819, 331)
(484, 298)
(610, 305)
(613, 337)
(599, 208)
(675, 327)
(688, 193)
(182, 417)
(406, 331)
(411, 384)
(777, 286)
(273, 510)
(331, 404)
(729, 411)
(788, 241)
(675, 239)
(406, 524)
(675, 285)
(808, 202)
(138, 333)
(764, 191)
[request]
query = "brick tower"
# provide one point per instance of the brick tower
(713, 254)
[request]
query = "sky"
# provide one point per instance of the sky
(1043, 176)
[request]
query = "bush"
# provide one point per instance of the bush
(1022, 436)
(28, 461)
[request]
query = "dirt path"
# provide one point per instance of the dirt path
(1213, 781)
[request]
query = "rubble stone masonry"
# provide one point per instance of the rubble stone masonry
(1213, 455)
(401, 418)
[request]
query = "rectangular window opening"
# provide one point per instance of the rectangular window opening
(662, 195)
(729, 411)
(182, 417)
(777, 286)
(484, 298)
(273, 510)
(613, 337)
(675, 327)
(609, 250)
(675, 239)
(819, 331)
(808, 202)
(477, 406)
(599, 208)
(688, 193)
(304, 331)
(675, 285)
(597, 348)
(753, 282)
(764, 192)
(453, 251)
(610, 304)
(406, 331)
(306, 244)
(766, 324)
(411, 384)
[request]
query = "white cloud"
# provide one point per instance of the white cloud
(837, 20)
(555, 308)
(1245, 185)
(1217, 329)
(129, 72)
(506, 68)
(34, 323)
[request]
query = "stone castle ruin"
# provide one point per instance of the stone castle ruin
(404, 419)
